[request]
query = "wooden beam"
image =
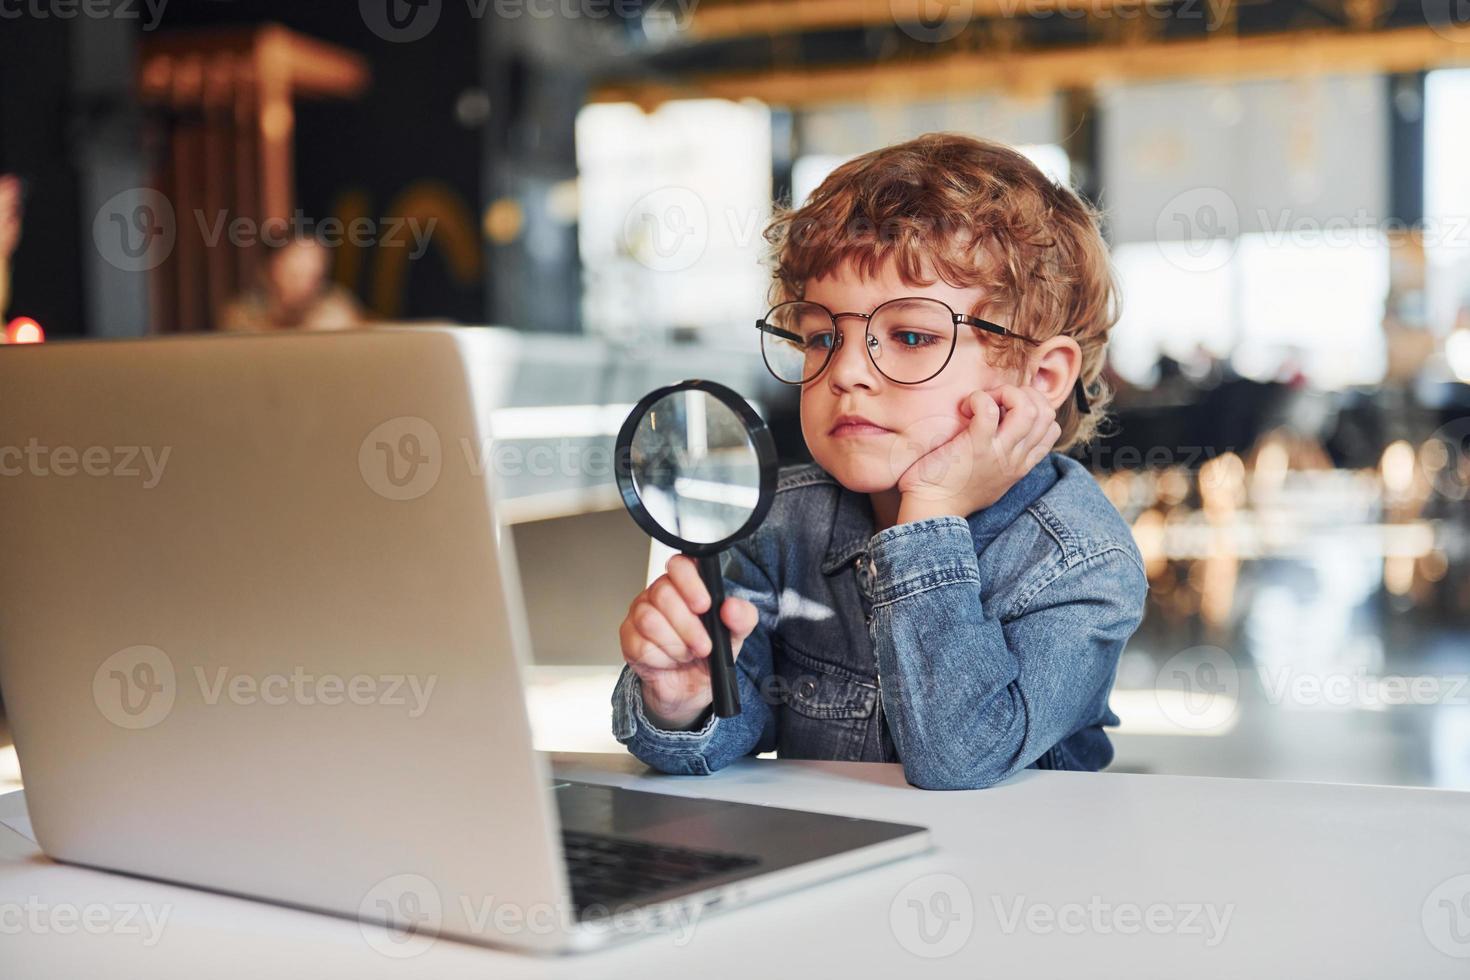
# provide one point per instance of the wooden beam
(1037, 72)
(741, 18)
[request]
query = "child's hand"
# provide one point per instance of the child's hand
(666, 645)
(979, 463)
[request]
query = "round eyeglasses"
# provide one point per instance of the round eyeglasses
(909, 339)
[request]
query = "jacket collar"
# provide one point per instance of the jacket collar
(853, 521)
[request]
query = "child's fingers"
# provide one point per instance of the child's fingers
(684, 573)
(1040, 422)
(669, 601)
(1020, 416)
(649, 642)
(984, 414)
(740, 617)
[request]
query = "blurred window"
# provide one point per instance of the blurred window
(1447, 195)
(671, 205)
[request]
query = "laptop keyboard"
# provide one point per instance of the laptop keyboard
(609, 871)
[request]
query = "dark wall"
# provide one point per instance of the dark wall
(37, 115)
(400, 137)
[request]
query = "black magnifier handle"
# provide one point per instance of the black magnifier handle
(725, 693)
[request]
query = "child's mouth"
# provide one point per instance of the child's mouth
(858, 429)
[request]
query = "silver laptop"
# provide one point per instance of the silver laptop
(261, 633)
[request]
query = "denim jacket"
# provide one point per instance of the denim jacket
(966, 648)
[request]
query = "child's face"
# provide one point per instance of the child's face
(915, 417)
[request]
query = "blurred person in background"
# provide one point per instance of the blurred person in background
(9, 234)
(295, 294)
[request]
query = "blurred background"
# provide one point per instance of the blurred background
(1283, 183)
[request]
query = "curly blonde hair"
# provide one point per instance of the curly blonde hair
(978, 213)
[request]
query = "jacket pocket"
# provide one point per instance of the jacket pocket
(816, 689)
(824, 713)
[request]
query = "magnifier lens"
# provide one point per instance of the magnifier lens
(695, 467)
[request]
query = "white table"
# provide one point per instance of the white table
(1053, 874)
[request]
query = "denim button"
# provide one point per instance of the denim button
(806, 688)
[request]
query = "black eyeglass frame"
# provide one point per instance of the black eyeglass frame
(765, 326)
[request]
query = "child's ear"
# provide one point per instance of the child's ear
(1055, 367)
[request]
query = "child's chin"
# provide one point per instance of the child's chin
(861, 475)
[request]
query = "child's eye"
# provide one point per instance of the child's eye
(914, 339)
(819, 341)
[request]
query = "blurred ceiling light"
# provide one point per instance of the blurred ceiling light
(1272, 464)
(1397, 466)
(503, 220)
(1398, 574)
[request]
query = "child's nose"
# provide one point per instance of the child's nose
(850, 364)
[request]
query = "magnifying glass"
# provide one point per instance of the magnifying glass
(697, 470)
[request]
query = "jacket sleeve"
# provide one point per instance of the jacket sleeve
(972, 700)
(719, 741)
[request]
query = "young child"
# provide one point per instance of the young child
(941, 587)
